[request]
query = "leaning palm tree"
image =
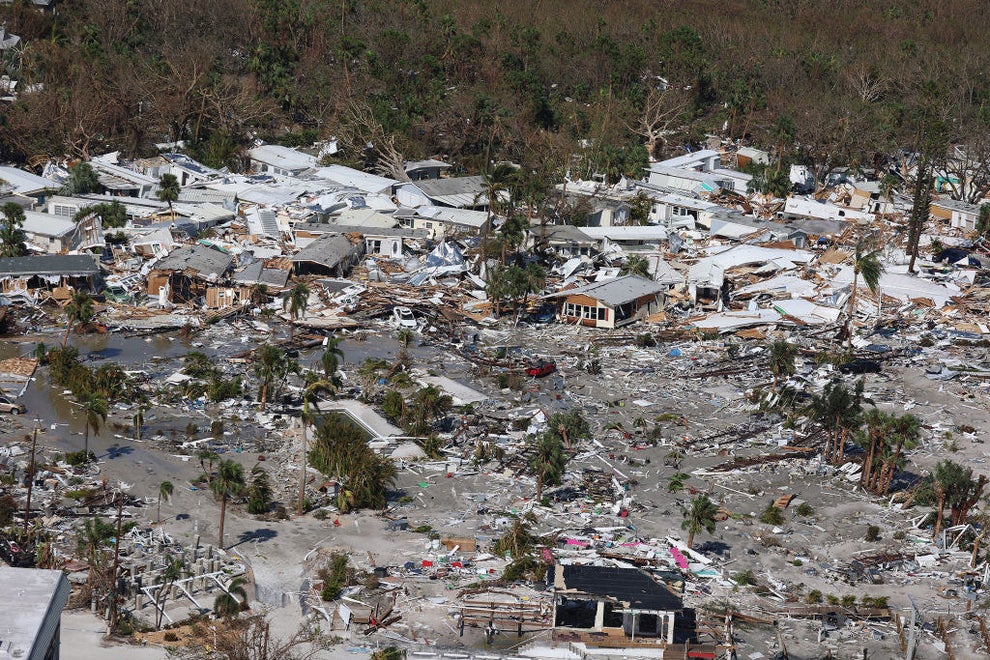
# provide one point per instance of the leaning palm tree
(701, 516)
(79, 309)
(227, 605)
(868, 265)
(309, 394)
(228, 483)
(296, 303)
(95, 409)
(165, 490)
(173, 571)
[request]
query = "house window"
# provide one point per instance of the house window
(63, 210)
(429, 225)
(374, 246)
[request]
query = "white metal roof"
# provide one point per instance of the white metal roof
(283, 157)
(23, 182)
(46, 224)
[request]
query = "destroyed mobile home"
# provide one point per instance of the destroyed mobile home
(746, 426)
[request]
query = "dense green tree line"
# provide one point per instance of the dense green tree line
(481, 81)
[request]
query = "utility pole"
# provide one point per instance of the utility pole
(30, 485)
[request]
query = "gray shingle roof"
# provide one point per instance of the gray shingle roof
(327, 250)
(70, 265)
(198, 258)
(616, 291)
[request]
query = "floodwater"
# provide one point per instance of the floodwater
(159, 356)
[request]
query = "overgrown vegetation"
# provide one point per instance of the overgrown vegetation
(484, 81)
(340, 451)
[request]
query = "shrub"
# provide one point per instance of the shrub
(872, 533)
(814, 597)
(171, 637)
(744, 578)
(900, 535)
(848, 601)
(772, 515)
(804, 510)
(832, 599)
(879, 602)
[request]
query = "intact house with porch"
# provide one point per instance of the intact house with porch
(611, 303)
(604, 606)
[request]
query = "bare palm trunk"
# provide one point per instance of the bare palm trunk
(223, 515)
(539, 487)
(691, 539)
(159, 508)
(940, 514)
(976, 547)
(264, 395)
(86, 444)
(65, 339)
(852, 308)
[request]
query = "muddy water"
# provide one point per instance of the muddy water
(159, 356)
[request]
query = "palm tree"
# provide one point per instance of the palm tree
(495, 187)
(333, 356)
(569, 426)
(259, 294)
(228, 482)
(907, 433)
(869, 266)
(404, 337)
(701, 516)
(95, 409)
(309, 394)
(226, 604)
(296, 303)
(837, 410)
(168, 191)
(782, 354)
(271, 366)
(548, 462)
(11, 234)
(165, 490)
(873, 442)
(636, 265)
(173, 571)
(79, 309)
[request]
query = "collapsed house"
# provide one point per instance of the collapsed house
(27, 277)
(185, 274)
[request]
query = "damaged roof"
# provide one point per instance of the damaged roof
(616, 291)
(198, 258)
(630, 586)
(69, 265)
(327, 250)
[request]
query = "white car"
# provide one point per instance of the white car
(404, 317)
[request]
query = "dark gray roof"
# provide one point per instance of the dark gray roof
(70, 265)
(461, 185)
(564, 233)
(616, 291)
(327, 250)
(626, 585)
(256, 273)
(197, 258)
